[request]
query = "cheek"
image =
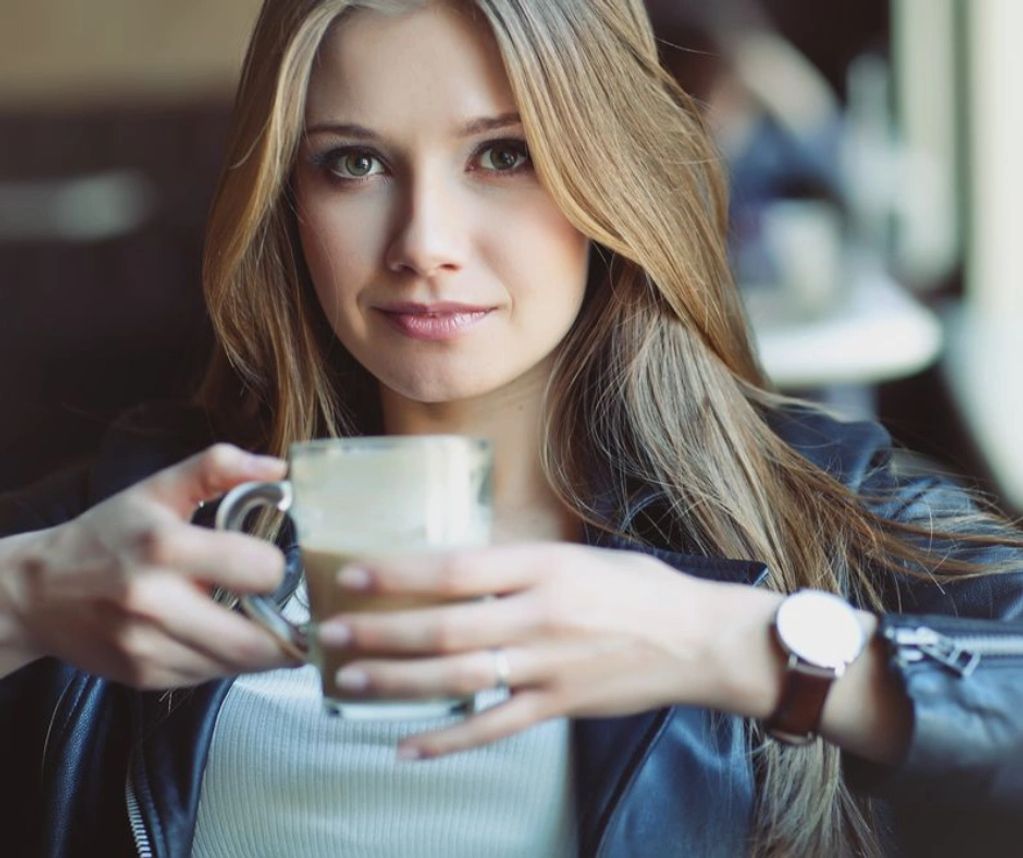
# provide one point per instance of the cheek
(541, 257)
(341, 245)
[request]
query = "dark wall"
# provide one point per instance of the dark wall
(92, 327)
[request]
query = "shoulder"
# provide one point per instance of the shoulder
(850, 451)
(860, 454)
(147, 439)
(942, 516)
(141, 442)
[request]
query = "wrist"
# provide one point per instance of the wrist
(820, 635)
(745, 663)
(865, 711)
(22, 563)
(745, 666)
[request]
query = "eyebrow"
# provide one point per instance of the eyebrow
(472, 127)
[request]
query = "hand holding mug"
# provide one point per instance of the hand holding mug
(124, 589)
(574, 631)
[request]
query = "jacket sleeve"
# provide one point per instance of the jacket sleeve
(956, 647)
(141, 442)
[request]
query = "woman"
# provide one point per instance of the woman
(502, 218)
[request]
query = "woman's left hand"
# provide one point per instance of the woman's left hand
(585, 631)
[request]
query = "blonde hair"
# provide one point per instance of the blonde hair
(656, 391)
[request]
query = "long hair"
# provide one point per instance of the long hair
(656, 392)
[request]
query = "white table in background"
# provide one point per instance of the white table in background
(874, 332)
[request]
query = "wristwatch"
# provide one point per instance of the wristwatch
(821, 636)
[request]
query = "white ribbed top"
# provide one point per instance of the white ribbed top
(283, 778)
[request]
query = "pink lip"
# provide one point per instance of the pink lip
(444, 320)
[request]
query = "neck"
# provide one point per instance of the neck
(525, 505)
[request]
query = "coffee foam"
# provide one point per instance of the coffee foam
(391, 499)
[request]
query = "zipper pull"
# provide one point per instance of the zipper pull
(916, 643)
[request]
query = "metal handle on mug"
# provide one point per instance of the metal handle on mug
(231, 515)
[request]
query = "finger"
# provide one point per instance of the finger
(175, 665)
(458, 675)
(522, 710)
(184, 667)
(440, 629)
(456, 574)
(235, 561)
(189, 616)
(209, 474)
(138, 653)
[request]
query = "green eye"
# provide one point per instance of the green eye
(358, 164)
(351, 163)
(504, 157)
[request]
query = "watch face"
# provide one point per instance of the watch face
(819, 628)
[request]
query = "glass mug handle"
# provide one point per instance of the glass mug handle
(231, 515)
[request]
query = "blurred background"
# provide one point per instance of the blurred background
(872, 146)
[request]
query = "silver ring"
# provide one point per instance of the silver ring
(502, 670)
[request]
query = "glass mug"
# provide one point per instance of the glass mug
(360, 498)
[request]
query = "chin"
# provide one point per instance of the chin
(438, 389)
(439, 394)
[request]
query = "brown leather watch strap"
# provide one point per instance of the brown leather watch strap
(797, 717)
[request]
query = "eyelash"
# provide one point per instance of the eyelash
(324, 160)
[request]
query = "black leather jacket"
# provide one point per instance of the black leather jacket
(89, 767)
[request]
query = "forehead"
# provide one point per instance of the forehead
(426, 68)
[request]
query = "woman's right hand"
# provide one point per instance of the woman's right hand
(124, 589)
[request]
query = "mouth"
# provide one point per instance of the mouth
(443, 320)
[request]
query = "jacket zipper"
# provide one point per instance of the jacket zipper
(138, 825)
(960, 653)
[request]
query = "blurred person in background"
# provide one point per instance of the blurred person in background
(779, 125)
(661, 508)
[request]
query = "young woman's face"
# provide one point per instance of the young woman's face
(442, 264)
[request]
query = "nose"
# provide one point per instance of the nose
(429, 236)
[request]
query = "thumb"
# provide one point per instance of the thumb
(210, 474)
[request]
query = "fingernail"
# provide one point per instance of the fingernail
(408, 753)
(354, 578)
(352, 679)
(334, 633)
